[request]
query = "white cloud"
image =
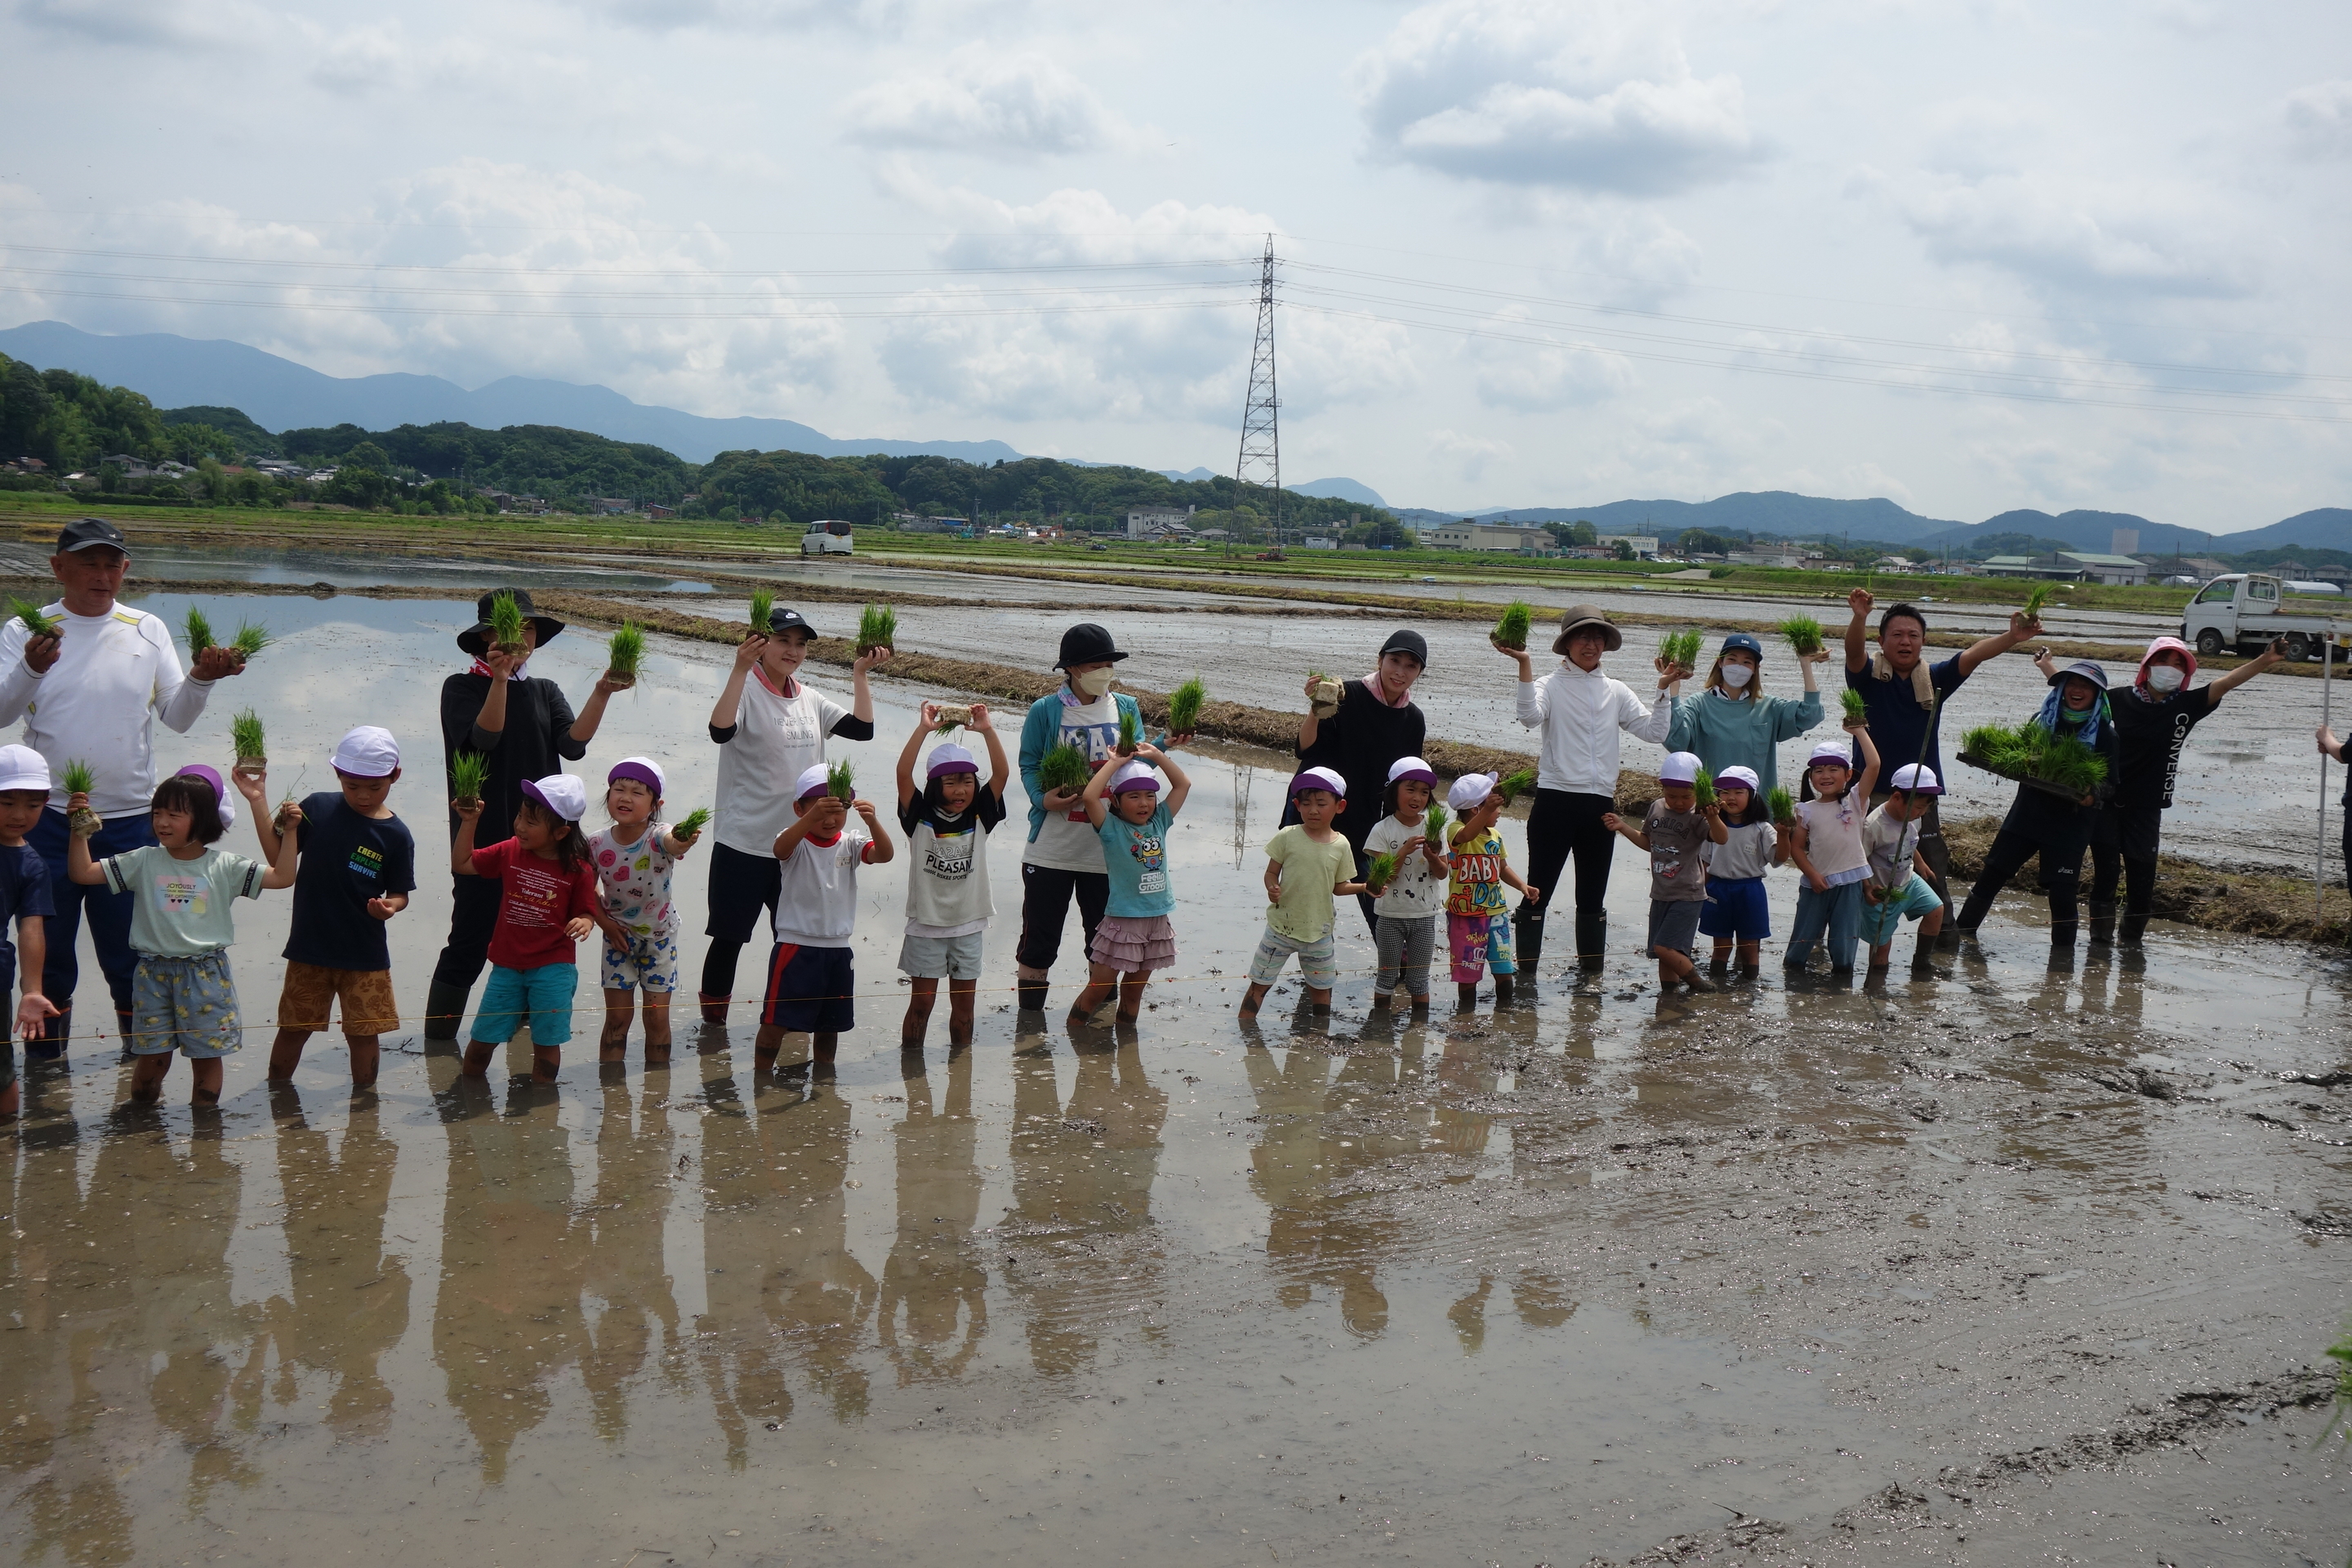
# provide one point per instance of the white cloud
(1591, 95)
(1469, 456)
(2318, 120)
(983, 102)
(1543, 380)
(873, 17)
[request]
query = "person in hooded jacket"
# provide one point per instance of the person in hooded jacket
(2153, 717)
(2057, 828)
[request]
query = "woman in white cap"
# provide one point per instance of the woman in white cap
(947, 819)
(1580, 712)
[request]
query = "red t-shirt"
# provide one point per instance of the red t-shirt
(540, 899)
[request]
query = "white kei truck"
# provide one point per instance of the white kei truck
(2244, 611)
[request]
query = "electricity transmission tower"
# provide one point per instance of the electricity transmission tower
(1260, 463)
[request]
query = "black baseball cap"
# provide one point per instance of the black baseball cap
(1088, 643)
(1410, 643)
(83, 532)
(781, 620)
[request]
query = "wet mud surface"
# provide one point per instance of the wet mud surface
(2007, 1265)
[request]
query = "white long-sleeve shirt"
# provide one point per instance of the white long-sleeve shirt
(115, 675)
(1579, 712)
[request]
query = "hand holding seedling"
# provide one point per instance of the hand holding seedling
(613, 680)
(1519, 655)
(250, 782)
(215, 663)
(468, 810)
(980, 722)
(41, 651)
(870, 659)
(748, 651)
(504, 661)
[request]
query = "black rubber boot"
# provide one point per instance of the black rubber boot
(49, 1044)
(1923, 960)
(1032, 992)
(445, 1009)
(2135, 926)
(1591, 948)
(2103, 923)
(1527, 940)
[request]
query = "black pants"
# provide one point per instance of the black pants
(473, 916)
(1045, 893)
(2062, 876)
(1561, 825)
(2124, 845)
(741, 885)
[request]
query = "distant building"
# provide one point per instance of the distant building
(2071, 566)
(611, 506)
(1159, 523)
(1319, 545)
(1516, 538)
(658, 513)
(1644, 545)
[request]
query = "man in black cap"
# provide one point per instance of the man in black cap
(1064, 857)
(1377, 722)
(523, 727)
(91, 694)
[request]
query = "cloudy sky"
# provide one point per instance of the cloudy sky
(1968, 256)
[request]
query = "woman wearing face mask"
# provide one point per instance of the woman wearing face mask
(1732, 725)
(1064, 857)
(1579, 711)
(2058, 828)
(2153, 719)
(1376, 726)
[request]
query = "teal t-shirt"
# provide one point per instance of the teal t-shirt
(1136, 855)
(180, 909)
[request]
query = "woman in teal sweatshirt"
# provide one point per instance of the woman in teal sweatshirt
(1732, 723)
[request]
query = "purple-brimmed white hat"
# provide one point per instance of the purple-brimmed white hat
(1916, 778)
(1830, 752)
(814, 780)
(1136, 773)
(1320, 778)
(562, 794)
(1411, 769)
(221, 797)
(950, 758)
(644, 770)
(1744, 777)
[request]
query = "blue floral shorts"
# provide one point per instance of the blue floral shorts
(187, 1004)
(650, 959)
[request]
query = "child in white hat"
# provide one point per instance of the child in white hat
(1307, 865)
(1897, 887)
(948, 819)
(633, 859)
(1676, 832)
(1826, 844)
(1736, 915)
(1124, 802)
(547, 907)
(24, 903)
(1409, 902)
(1478, 933)
(811, 982)
(357, 867)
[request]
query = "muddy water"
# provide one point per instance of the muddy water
(1563, 1280)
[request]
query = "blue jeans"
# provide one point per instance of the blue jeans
(110, 921)
(1840, 910)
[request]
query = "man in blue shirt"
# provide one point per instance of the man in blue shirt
(1896, 687)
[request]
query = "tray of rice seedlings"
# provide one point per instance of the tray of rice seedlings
(954, 716)
(2055, 764)
(841, 782)
(1512, 785)
(1703, 789)
(625, 653)
(1063, 767)
(1803, 634)
(35, 622)
(1184, 705)
(1434, 825)
(1781, 804)
(199, 629)
(1130, 730)
(692, 823)
(469, 772)
(1380, 871)
(1511, 630)
(1681, 648)
(251, 637)
(246, 740)
(1323, 693)
(763, 609)
(1856, 710)
(2035, 599)
(79, 782)
(878, 627)
(506, 623)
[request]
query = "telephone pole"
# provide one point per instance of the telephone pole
(1260, 462)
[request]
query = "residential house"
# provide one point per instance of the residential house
(1159, 523)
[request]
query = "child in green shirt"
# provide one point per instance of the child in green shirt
(1309, 865)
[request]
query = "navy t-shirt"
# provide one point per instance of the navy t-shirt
(347, 859)
(24, 890)
(1898, 724)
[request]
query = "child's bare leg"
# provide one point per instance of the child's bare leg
(1131, 994)
(656, 1029)
(286, 1054)
(1879, 953)
(1674, 965)
(766, 1044)
(1722, 959)
(147, 1075)
(1252, 997)
(478, 1058)
(1101, 981)
(1318, 1000)
(12, 1099)
(921, 991)
(620, 1012)
(367, 1055)
(1750, 954)
(963, 1001)
(546, 1063)
(208, 1072)
(823, 1046)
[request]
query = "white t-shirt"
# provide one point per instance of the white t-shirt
(816, 903)
(1746, 852)
(776, 739)
(115, 674)
(1833, 837)
(947, 867)
(1416, 892)
(1069, 842)
(1889, 845)
(633, 879)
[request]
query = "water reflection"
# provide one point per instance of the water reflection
(934, 1304)
(346, 1303)
(628, 1309)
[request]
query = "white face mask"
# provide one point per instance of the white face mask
(2165, 677)
(1736, 675)
(1093, 683)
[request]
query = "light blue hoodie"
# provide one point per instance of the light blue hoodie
(1728, 731)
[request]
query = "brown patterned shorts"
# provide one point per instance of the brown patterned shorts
(365, 994)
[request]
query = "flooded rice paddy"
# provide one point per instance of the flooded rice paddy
(2017, 1263)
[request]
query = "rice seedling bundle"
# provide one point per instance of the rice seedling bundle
(1681, 648)
(200, 631)
(79, 781)
(626, 652)
(841, 782)
(1381, 872)
(1703, 789)
(1324, 692)
(1131, 731)
(1514, 785)
(1780, 804)
(506, 620)
(952, 717)
(763, 609)
(2031, 752)
(37, 623)
(877, 627)
(1511, 631)
(250, 640)
(469, 772)
(1804, 632)
(79, 778)
(1856, 710)
(246, 738)
(693, 822)
(1434, 826)
(1063, 767)
(1184, 705)
(2037, 596)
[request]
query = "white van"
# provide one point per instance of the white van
(827, 536)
